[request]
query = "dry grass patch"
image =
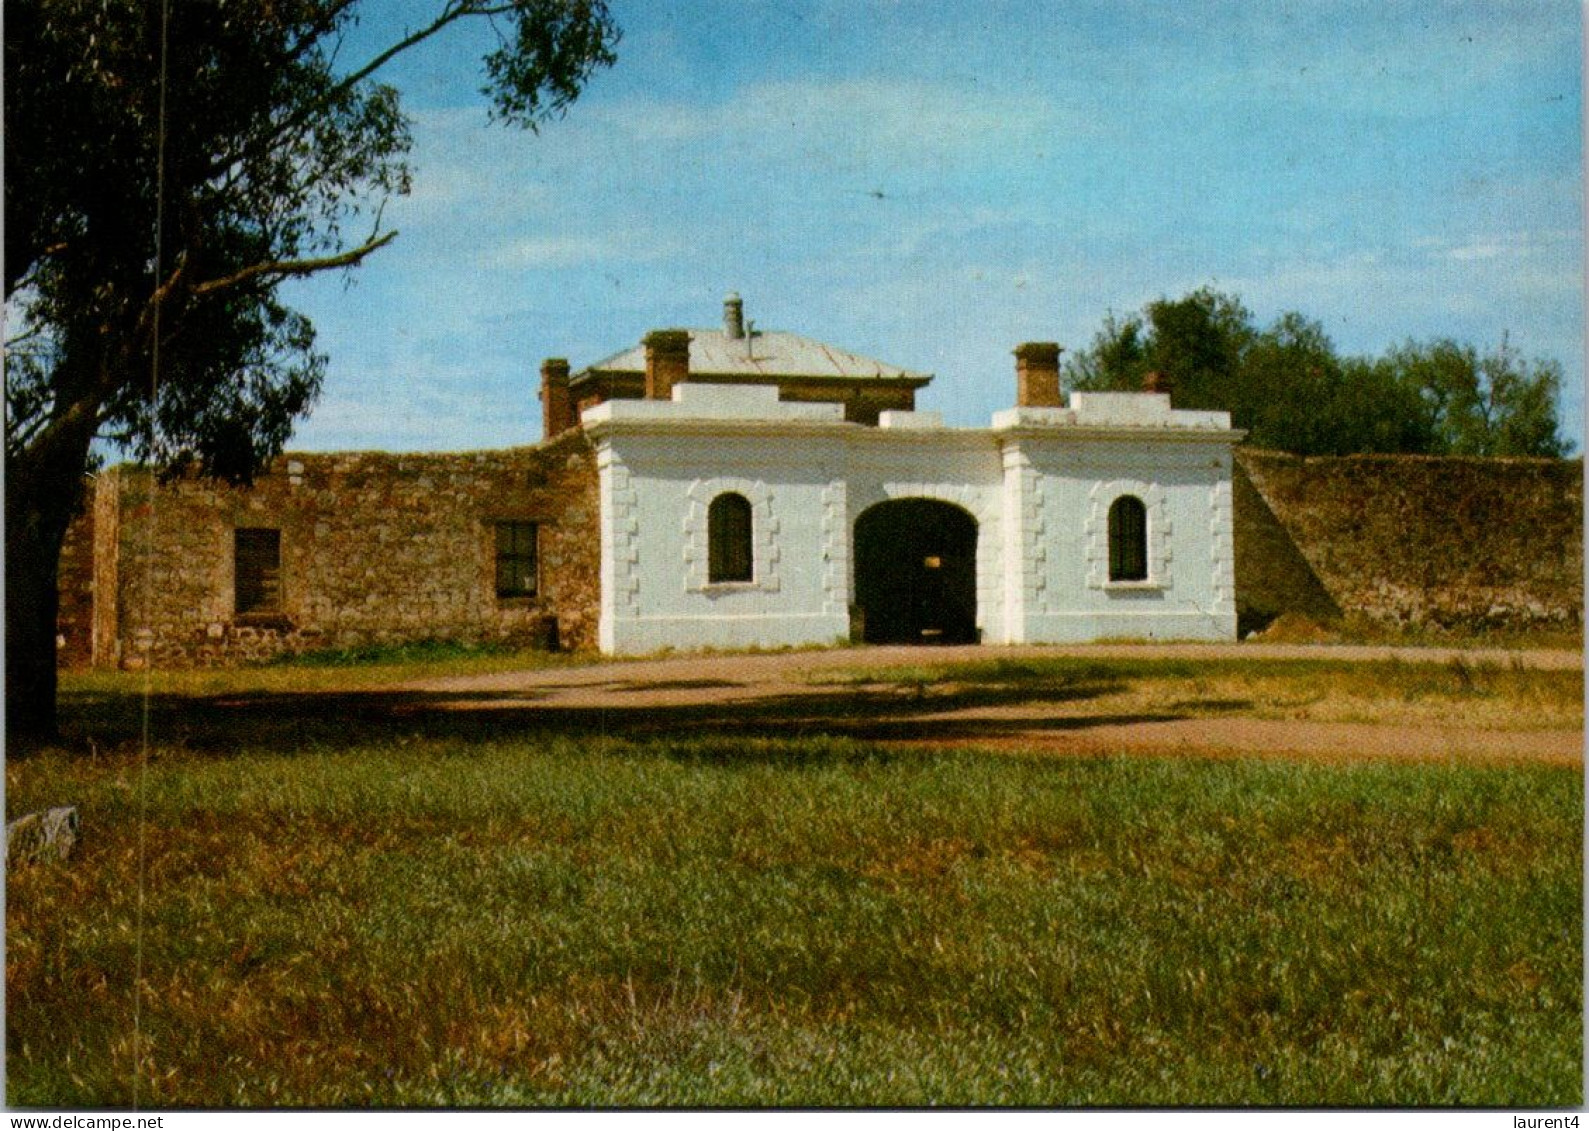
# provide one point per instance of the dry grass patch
(1478, 696)
(318, 672)
(797, 922)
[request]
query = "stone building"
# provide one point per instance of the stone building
(725, 487)
(707, 488)
(803, 370)
(730, 518)
(339, 550)
(767, 489)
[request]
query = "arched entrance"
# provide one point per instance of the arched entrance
(916, 573)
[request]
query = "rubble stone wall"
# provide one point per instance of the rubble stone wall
(1432, 543)
(376, 548)
(74, 615)
(381, 548)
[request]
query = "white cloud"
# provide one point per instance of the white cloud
(848, 124)
(1476, 251)
(1007, 209)
(415, 407)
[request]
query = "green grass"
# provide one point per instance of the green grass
(703, 921)
(311, 672)
(412, 652)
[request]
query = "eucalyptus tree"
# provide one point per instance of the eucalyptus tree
(168, 166)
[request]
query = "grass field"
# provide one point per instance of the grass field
(427, 917)
(1486, 695)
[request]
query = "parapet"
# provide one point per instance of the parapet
(1113, 410)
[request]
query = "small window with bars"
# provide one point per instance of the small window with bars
(729, 554)
(518, 570)
(1128, 540)
(256, 555)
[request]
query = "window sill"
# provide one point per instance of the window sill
(731, 586)
(1150, 585)
(725, 588)
(277, 620)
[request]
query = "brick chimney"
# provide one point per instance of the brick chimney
(1037, 375)
(667, 362)
(557, 410)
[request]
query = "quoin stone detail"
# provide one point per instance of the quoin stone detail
(622, 528)
(838, 579)
(1221, 531)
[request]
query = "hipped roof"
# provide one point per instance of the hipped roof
(762, 356)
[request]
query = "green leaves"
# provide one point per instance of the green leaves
(554, 47)
(1494, 404)
(168, 166)
(1289, 387)
(166, 174)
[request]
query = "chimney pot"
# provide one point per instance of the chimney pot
(1037, 375)
(557, 409)
(667, 362)
(733, 316)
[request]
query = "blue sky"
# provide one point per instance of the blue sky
(931, 183)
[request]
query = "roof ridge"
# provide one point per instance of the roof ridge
(766, 354)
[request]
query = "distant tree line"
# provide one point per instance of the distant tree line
(1289, 387)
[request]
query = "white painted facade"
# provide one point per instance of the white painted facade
(1039, 484)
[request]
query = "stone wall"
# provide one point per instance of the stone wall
(74, 616)
(381, 548)
(376, 548)
(1410, 541)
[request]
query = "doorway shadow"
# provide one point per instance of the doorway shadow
(916, 573)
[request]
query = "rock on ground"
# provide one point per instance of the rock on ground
(49, 834)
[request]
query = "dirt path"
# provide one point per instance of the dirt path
(751, 674)
(778, 690)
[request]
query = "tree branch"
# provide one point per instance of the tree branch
(324, 21)
(22, 433)
(449, 14)
(21, 265)
(161, 293)
(453, 11)
(25, 336)
(291, 267)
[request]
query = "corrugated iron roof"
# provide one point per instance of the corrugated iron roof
(766, 354)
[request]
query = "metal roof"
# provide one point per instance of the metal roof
(765, 354)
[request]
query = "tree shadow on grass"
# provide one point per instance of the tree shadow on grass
(288, 722)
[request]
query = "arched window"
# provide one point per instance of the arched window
(728, 537)
(1128, 539)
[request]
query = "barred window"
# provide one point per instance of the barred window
(256, 559)
(1128, 540)
(728, 535)
(517, 566)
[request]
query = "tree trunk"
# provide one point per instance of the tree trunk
(44, 489)
(32, 563)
